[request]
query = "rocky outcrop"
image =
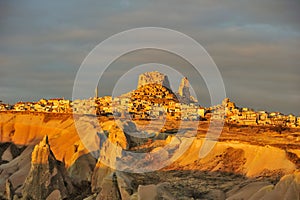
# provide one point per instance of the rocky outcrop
(154, 192)
(114, 139)
(287, 188)
(115, 134)
(9, 151)
(48, 179)
(126, 185)
(82, 169)
(155, 93)
(236, 157)
(110, 189)
(101, 171)
(47, 176)
(15, 172)
(111, 184)
(26, 129)
(123, 133)
(9, 190)
(106, 181)
(110, 151)
(7, 155)
(247, 191)
(153, 78)
(184, 91)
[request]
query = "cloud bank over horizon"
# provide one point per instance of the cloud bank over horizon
(254, 43)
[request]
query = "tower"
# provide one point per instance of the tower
(96, 93)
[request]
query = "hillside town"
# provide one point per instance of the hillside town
(153, 100)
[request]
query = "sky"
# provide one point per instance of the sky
(254, 43)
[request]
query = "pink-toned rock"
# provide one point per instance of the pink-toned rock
(154, 192)
(287, 188)
(110, 190)
(82, 169)
(184, 90)
(16, 170)
(7, 155)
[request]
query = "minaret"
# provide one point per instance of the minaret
(96, 93)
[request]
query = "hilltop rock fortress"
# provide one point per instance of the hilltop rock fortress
(153, 78)
(153, 87)
(156, 84)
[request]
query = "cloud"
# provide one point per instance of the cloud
(254, 43)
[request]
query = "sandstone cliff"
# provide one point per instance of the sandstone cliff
(29, 128)
(241, 158)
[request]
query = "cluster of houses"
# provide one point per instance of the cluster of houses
(58, 105)
(154, 101)
(4, 106)
(149, 110)
(246, 116)
(143, 109)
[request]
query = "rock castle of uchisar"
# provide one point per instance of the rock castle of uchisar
(153, 99)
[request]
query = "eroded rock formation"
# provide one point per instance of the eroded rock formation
(153, 78)
(47, 176)
(287, 188)
(82, 169)
(184, 90)
(233, 167)
(14, 173)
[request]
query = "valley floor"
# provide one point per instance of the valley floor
(245, 161)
